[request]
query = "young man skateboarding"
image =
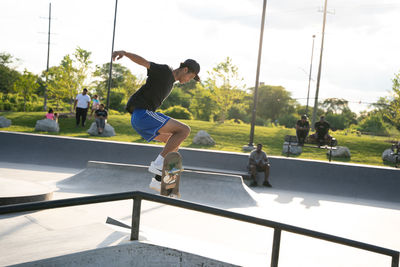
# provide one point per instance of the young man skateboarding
(144, 103)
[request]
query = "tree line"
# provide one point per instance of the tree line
(220, 97)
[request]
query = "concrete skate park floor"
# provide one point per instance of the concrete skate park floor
(49, 233)
(30, 236)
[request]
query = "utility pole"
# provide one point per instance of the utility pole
(309, 77)
(250, 146)
(48, 57)
(319, 68)
(111, 61)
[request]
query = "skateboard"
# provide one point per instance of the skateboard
(171, 174)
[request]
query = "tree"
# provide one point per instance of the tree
(226, 85)
(335, 105)
(8, 75)
(56, 89)
(121, 77)
(203, 105)
(274, 102)
(395, 102)
(177, 98)
(26, 85)
(62, 81)
(82, 62)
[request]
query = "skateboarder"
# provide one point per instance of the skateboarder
(144, 103)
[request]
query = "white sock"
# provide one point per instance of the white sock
(159, 160)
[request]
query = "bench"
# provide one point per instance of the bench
(292, 141)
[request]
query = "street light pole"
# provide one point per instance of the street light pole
(319, 68)
(111, 61)
(48, 57)
(253, 117)
(309, 77)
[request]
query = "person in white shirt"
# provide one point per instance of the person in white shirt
(81, 106)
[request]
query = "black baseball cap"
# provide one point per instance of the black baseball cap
(193, 66)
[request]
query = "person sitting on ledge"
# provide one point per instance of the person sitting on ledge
(302, 129)
(258, 162)
(101, 117)
(321, 134)
(51, 115)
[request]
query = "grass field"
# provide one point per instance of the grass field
(228, 136)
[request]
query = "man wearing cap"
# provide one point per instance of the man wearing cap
(152, 125)
(302, 129)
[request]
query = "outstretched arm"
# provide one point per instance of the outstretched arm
(135, 58)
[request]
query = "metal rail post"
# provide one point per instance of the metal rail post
(275, 247)
(137, 202)
(395, 260)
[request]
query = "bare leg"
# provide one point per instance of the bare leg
(173, 133)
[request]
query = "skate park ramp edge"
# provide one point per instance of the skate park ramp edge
(222, 190)
(131, 254)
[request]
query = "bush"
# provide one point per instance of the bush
(178, 112)
(288, 120)
(374, 124)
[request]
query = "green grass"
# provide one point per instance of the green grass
(228, 136)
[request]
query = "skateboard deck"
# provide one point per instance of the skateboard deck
(171, 174)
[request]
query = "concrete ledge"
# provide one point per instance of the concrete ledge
(16, 192)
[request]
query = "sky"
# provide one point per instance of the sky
(361, 51)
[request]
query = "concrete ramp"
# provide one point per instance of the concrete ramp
(132, 254)
(17, 192)
(221, 190)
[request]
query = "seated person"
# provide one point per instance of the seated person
(101, 117)
(302, 129)
(51, 115)
(95, 104)
(321, 131)
(258, 161)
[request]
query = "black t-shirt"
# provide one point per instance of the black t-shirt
(101, 113)
(322, 127)
(157, 88)
(302, 124)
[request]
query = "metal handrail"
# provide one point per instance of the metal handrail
(138, 196)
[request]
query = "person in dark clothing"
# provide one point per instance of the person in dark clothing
(321, 131)
(302, 129)
(101, 117)
(152, 125)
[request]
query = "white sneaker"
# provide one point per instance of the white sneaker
(155, 169)
(155, 185)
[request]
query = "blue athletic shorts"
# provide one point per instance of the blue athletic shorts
(147, 123)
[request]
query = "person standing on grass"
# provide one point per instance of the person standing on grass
(82, 104)
(152, 125)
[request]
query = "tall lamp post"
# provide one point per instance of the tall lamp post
(319, 68)
(250, 146)
(48, 57)
(111, 61)
(309, 77)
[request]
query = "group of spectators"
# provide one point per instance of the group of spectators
(258, 159)
(321, 135)
(82, 104)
